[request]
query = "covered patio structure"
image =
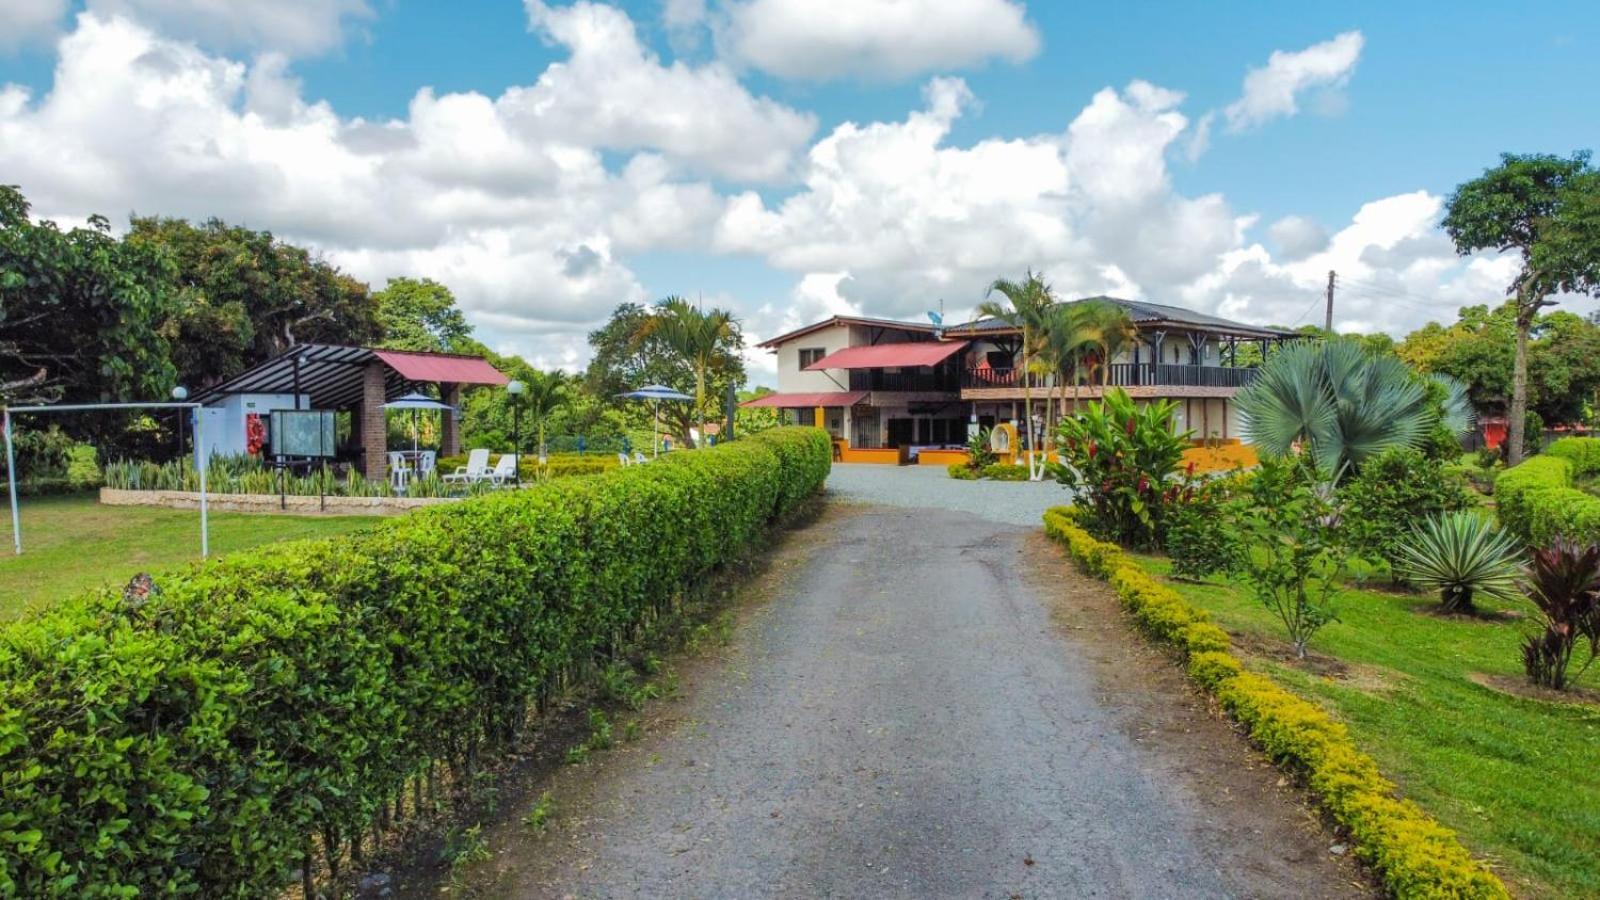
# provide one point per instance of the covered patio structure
(355, 379)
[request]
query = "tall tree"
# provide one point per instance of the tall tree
(629, 353)
(421, 314)
(545, 393)
(1114, 331)
(698, 336)
(1546, 209)
(79, 310)
(1071, 333)
(1026, 307)
(247, 296)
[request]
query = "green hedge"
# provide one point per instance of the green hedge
(1537, 502)
(191, 742)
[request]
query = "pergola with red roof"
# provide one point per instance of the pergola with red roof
(362, 380)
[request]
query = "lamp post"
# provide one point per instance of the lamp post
(180, 394)
(515, 388)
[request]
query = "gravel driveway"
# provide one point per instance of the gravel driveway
(926, 703)
(931, 487)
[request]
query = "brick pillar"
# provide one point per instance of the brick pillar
(449, 429)
(374, 436)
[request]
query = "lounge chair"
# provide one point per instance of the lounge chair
(476, 469)
(622, 458)
(505, 470)
(639, 458)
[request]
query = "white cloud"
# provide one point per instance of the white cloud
(613, 92)
(804, 39)
(27, 20)
(1297, 237)
(293, 27)
(1273, 91)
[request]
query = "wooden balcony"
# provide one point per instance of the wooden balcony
(1123, 375)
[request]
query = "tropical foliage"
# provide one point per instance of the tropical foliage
(1564, 583)
(1339, 403)
(1027, 306)
(1462, 556)
(1121, 460)
(1392, 491)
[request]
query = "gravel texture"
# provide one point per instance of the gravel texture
(920, 708)
(931, 487)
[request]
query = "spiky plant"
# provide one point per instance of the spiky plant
(1463, 557)
(1563, 581)
(1336, 401)
(1456, 407)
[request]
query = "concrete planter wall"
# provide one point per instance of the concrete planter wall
(269, 503)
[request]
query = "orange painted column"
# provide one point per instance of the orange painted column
(819, 421)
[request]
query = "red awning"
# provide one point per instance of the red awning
(808, 401)
(445, 367)
(905, 356)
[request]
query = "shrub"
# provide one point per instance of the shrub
(1564, 583)
(1198, 539)
(1122, 459)
(1582, 452)
(1536, 502)
(1290, 555)
(1461, 556)
(962, 472)
(980, 454)
(1392, 491)
(191, 740)
(1005, 472)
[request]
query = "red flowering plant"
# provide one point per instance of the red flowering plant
(1121, 460)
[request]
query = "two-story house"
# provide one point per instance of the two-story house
(888, 391)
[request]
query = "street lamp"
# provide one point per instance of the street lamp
(180, 394)
(515, 389)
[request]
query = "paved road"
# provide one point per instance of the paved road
(931, 487)
(905, 718)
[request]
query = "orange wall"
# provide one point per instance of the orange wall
(887, 457)
(1229, 456)
(941, 457)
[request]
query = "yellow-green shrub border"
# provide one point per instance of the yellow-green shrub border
(1413, 854)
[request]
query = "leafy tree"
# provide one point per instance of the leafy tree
(629, 353)
(1547, 209)
(247, 296)
(78, 311)
(1027, 307)
(421, 314)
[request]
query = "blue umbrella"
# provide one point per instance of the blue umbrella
(656, 393)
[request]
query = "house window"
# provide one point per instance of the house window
(810, 355)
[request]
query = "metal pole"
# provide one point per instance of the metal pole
(516, 443)
(11, 485)
(205, 537)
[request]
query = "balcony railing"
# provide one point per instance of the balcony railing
(1124, 375)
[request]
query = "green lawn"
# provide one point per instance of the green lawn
(1518, 778)
(73, 543)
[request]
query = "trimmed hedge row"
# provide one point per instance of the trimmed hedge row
(1414, 854)
(1537, 502)
(192, 741)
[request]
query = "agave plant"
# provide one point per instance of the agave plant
(1337, 401)
(1463, 557)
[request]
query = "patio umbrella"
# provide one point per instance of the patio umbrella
(656, 393)
(415, 401)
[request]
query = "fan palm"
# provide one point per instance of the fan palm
(1457, 414)
(1026, 307)
(695, 334)
(1462, 556)
(1338, 402)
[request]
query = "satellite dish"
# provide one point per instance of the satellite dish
(935, 318)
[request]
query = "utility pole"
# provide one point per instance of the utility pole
(1328, 322)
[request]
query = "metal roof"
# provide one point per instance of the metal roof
(877, 356)
(331, 375)
(1145, 313)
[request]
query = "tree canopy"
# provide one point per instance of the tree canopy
(630, 352)
(421, 314)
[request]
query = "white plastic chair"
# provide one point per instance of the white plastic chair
(425, 465)
(622, 458)
(505, 470)
(476, 469)
(639, 458)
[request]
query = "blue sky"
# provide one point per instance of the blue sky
(1435, 92)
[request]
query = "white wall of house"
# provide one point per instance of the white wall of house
(827, 340)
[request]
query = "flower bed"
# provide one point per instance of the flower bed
(192, 740)
(1413, 854)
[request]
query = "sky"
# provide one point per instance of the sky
(793, 159)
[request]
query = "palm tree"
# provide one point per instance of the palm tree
(1026, 308)
(698, 336)
(545, 392)
(1114, 331)
(1070, 332)
(1338, 402)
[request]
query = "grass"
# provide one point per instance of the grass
(1518, 778)
(72, 543)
